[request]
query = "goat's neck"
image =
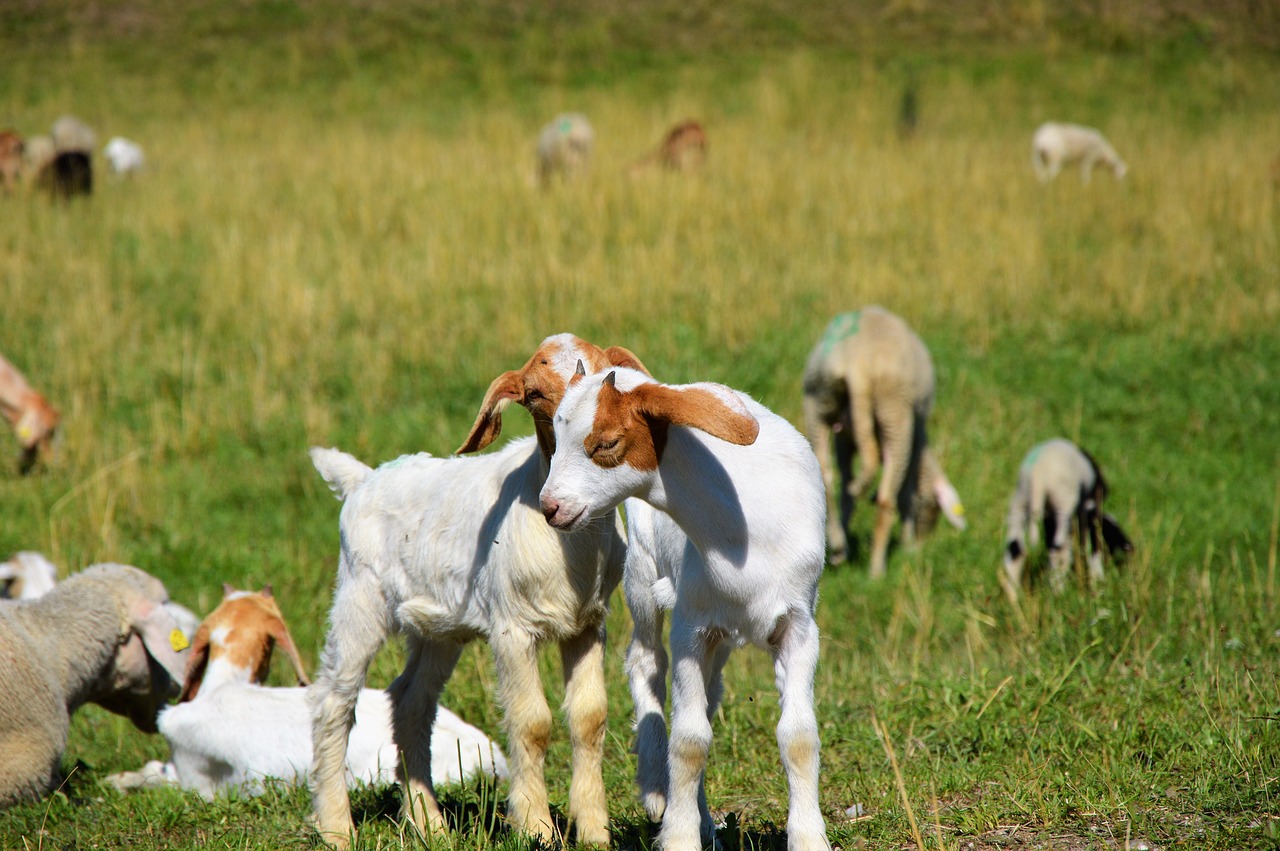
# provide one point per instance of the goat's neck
(221, 671)
(693, 487)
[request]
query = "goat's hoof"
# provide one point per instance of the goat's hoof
(655, 805)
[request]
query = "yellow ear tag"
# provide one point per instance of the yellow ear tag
(178, 641)
(25, 432)
(959, 509)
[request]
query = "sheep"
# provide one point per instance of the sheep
(684, 148)
(228, 732)
(564, 147)
(26, 576)
(868, 388)
(32, 417)
(125, 156)
(72, 134)
(38, 152)
(105, 635)
(745, 488)
(1056, 145)
(11, 148)
(1059, 482)
(448, 550)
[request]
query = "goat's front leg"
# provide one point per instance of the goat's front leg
(682, 825)
(415, 695)
(647, 677)
(795, 661)
(586, 704)
(528, 722)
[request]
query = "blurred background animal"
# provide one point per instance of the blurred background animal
(564, 147)
(11, 148)
(26, 576)
(684, 148)
(1056, 145)
(124, 156)
(33, 419)
(868, 389)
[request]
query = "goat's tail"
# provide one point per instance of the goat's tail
(343, 473)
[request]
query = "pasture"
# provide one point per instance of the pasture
(338, 241)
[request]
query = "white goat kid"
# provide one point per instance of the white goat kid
(1056, 145)
(745, 487)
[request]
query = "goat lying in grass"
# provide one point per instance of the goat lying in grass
(228, 733)
(745, 487)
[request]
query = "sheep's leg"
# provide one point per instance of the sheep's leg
(845, 450)
(897, 433)
(586, 705)
(1089, 521)
(690, 736)
(906, 496)
(1057, 533)
(415, 695)
(647, 677)
(528, 723)
(356, 633)
(1015, 549)
(820, 436)
(864, 435)
(794, 645)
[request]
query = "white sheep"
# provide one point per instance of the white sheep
(868, 389)
(745, 488)
(72, 134)
(564, 147)
(228, 733)
(1059, 486)
(26, 576)
(1056, 145)
(125, 156)
(104, 635)
(453, 549)
(32, 417)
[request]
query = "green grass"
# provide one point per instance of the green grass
(338, 243)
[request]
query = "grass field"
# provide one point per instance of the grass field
(338, 242)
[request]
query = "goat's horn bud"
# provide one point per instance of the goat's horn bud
(611, 379)
(581, 370)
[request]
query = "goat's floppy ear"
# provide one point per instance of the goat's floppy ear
(618, 356)
(504, 390)
(164, 640)
(695, 407)
(196, 664)
(280, 634)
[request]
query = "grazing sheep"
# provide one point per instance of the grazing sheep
(104, 635)
(1058, 484)
(38, 152)
(869, 388)
(684, 148)
(32, 417)
(11, 148)
(564, 147)
(27, 576)
(228, 732)
(125, 156)
(1056, 145)
(446, 550)
(745, 488)
(72, 134)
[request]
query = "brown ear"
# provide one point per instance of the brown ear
(196, 664)
(504, 390)
(280, 634)
(694, 407)
(618, 356)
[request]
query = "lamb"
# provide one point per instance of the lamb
(30, 414)
(38, 152)
(72, 134)
(745, 488)
(1059, 482)
(26, 576)
(869, 388)
(11, 148)
(1056, 145)
(228, 732)
(564, 147)
(105, 635)
(125, 156)
(684, 148)
(449, 550)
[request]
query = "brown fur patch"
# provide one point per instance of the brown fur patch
(254, 626)
(11, 149)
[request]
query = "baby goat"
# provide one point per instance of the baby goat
(1059, 483)
(745, 487)
(228, 733)
(453, 549)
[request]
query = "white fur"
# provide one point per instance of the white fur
(445, 550)
(747, 572)
(564, 147)
(125, 156)
(31, 574)
(1056, 145)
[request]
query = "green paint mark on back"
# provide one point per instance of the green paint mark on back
(842, 327)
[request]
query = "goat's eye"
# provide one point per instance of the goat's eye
(604, 446)
(532, 395)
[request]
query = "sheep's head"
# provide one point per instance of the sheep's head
(935, 496)
(540, 385)
(35, 427)
(150, 656)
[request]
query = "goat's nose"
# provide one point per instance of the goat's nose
(549, 508)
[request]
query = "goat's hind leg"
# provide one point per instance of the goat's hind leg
(586, 704)
(795, 654)
(527, 719)
(415, 696)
